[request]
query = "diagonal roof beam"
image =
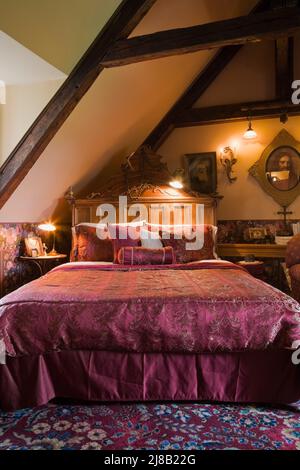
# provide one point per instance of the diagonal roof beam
(121, 24)
(241, 30)
(201, 83)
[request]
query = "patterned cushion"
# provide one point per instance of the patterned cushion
(139, 255)
(293, 251)
(179, 245)
(91, 243)
(123, 236)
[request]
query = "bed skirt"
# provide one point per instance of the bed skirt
(253, 377)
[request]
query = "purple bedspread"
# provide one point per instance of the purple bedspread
(195, 308)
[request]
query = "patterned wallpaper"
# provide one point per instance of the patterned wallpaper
(237, 231)
(14, 273)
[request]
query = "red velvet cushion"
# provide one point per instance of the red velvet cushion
(179, 245)
(87, 246)
(123, 236)
(140, 255)
(292, 256)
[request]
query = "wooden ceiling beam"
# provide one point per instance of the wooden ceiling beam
(120, 25)
(201, 83)
(236, 112)
(241, 30)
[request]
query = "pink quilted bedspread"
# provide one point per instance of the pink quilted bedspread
(194, 308)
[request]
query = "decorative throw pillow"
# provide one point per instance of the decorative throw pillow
(150, 239)
(179, 240)
(91, 242)
(122, 236)
(293, 251)
(136, 255)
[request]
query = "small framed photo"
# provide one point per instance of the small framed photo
(257, 233)
(201, 171)
(34, 246)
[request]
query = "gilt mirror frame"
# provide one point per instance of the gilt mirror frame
(259, 170)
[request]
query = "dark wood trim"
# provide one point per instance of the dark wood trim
(201, 83)
(241, 30)
(284, 67)
(235, 112)
(36, 139)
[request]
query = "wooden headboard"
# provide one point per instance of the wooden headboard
(144, 179)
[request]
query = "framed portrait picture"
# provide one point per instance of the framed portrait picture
(278, 169)
(257, 233)
(283, 168)
(34, 246)
(201, 171)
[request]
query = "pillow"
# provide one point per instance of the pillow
(122, 236)
(91, 242)
(182, 254)
(139, 255)
(150, 239)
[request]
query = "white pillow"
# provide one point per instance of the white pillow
(150, 239)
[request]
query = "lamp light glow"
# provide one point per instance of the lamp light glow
(177, 179)
(48, 227)
(176, 184)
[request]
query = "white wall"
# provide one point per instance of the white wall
(24, 102)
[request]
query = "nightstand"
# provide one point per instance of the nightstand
(43, 263)
(255, 268)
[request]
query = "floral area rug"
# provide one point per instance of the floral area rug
(151, 426)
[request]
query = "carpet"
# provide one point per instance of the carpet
(151, 426)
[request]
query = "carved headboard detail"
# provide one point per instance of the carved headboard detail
(144, 179)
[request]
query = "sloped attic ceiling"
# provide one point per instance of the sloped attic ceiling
(117, 113)
(59, 31)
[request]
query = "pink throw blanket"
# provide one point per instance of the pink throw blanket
(202, 307)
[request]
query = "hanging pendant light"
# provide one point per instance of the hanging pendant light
(250, 133)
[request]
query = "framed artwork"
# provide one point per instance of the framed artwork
(34, 246)
(283, 167)
(278, 169)
(257, 233)
(201, 171)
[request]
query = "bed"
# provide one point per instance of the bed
(203, 331)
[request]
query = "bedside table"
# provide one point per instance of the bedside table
(43, 263)
(255, 268)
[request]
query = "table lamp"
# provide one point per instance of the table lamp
(48, 227)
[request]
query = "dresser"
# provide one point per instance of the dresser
(240, 250)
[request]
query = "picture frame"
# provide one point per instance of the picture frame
(201, 172)
(34, 246)
(278, 169)
(257, 233)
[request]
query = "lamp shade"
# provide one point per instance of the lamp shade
(47, 227)
(250, 133)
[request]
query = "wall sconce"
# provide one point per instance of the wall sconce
(228, 159)
(177, 181)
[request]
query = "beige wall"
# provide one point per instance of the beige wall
(249, 77)
(243, 199)
(24, 103)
